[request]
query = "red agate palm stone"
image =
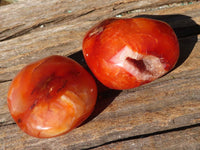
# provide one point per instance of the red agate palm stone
(126, 53)
(51, 96)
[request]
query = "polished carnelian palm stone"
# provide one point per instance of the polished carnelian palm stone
(51, 96)
(126, 53)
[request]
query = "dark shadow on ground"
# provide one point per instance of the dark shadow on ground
(105, 95)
